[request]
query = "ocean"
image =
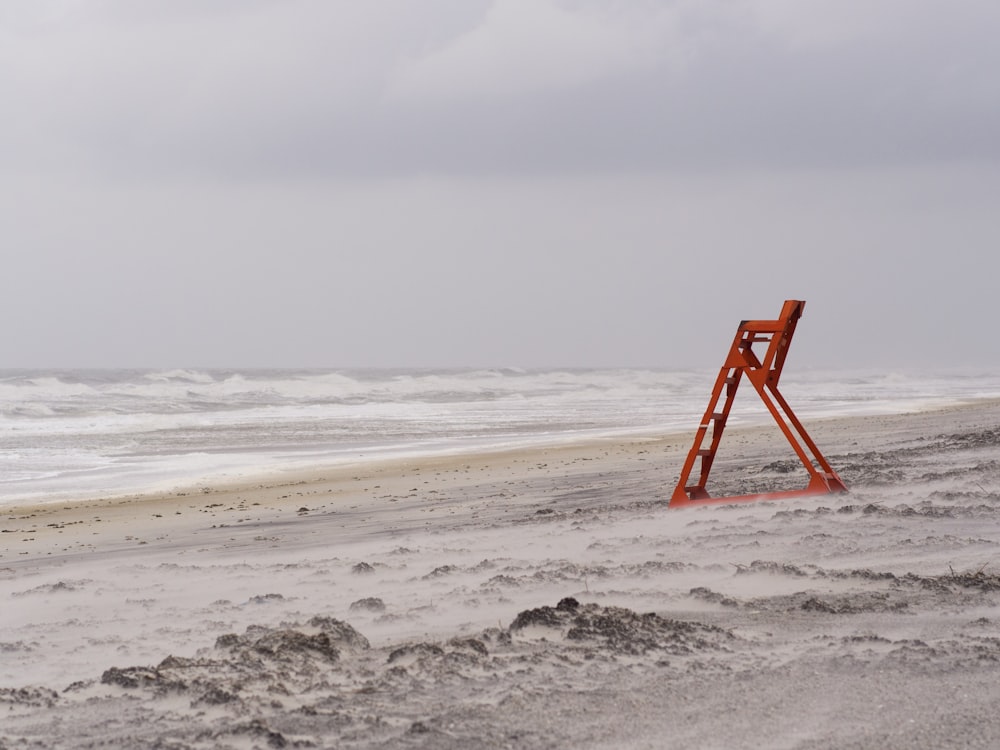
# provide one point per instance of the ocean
(76, 434)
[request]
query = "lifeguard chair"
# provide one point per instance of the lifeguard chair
(763, 372)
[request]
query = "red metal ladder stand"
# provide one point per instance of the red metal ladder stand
(763, 373)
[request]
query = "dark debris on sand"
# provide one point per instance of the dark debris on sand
(883, 592)
(35, 697)
(621, 630)
(304, 685)
(276, 660)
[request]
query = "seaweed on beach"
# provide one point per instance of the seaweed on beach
(60, 587)
(987, 438)
(978, 580)
(851, 603)
(35, 697)
(712, 597)
(773, 568)
(622, 630)
(369, 604)
(275, 660)
(332, 638)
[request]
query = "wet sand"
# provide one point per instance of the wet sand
(341, 503)
(534, 598)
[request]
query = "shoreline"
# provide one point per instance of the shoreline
(399, 490)
(386, 486)
(281, 467)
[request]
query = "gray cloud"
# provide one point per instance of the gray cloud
(391, 88)
(516, 182)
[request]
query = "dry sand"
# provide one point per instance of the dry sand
(537, 598)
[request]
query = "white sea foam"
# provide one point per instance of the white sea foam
(80, 434)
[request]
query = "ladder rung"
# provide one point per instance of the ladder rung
(718, 416)
(705, 452)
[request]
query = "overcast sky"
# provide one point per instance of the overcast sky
(412, 183)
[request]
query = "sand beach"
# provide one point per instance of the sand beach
(535, 598)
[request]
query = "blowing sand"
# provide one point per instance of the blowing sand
(526, 599)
